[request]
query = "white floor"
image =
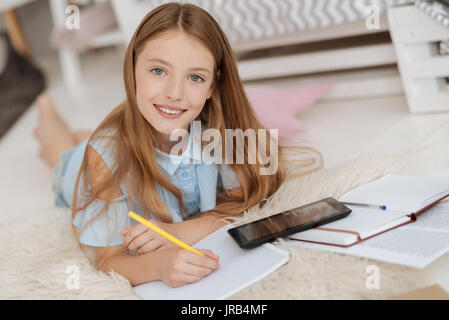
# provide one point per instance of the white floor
(339, 128)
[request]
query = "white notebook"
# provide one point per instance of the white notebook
(405, 197)
(414, 245)
(238, 269)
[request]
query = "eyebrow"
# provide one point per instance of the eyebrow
(170, 65)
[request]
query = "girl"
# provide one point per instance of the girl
(178, 68)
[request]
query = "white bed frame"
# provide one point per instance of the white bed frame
(423, 70)
(318, 61)
(130, 13)
(307, 63)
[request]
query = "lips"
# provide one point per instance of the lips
(172, 114)
(169, 107)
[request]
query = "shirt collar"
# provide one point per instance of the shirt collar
(170, 163)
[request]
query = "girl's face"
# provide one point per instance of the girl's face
(174, 78)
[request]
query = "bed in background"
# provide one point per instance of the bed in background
(311, 35)
(346, 42)
(279, 38)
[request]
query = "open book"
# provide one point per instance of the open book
(238, 269)
(405, 197)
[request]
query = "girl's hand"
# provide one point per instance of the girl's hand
(139, 237)
(178, 267)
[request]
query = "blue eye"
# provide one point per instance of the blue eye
(160, 72)
(157, 74)
(198, 78)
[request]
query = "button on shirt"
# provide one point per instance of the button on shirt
(181, 170)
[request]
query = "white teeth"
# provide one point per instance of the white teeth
(169, 111)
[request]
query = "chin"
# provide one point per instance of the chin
(167, 129)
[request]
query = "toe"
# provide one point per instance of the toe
(45, 104)
(36, 133)
(43, 99)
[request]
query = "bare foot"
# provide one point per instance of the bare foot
(78, 136)
(52, 132)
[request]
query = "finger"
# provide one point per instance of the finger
(167, 245)
(140, 240)
(189, 272)
(210, 254)
(182, 279)
(202, 261)
(134, 232)
(149, 246)
(194, 272)
(125, 231)
(177, 284)
(187, 278)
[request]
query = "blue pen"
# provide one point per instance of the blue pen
(372, 206)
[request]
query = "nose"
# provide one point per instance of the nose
(174, 89)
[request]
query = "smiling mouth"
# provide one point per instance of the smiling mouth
(169, 111)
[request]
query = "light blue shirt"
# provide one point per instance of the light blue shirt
(197, 181)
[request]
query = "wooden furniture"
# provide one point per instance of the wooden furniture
(18, 40)
(69, 60)
(340, 47)
(335, 48)
(323, 59)
(423, 71)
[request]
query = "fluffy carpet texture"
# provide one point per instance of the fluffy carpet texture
(39, 250)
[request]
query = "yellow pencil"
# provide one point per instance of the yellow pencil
(163, 233)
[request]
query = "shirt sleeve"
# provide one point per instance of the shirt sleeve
(227, 177)
(101, 222)
(100, 227)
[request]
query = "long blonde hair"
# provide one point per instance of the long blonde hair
(135, 140)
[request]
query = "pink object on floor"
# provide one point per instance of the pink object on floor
(94, 20)
(276, 107)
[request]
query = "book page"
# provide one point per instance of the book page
(238, 269)
(400, 193)
(403, 195)
(415, 245)
(433, 219)
(362, 220)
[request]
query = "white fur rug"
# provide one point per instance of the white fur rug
(37, 250)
